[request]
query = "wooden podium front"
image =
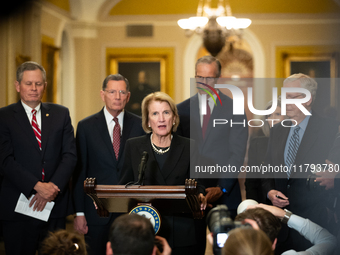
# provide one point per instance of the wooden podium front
(119, 198)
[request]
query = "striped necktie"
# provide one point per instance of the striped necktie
(116, 137)
(206, 120)
(293, 147)
(37, 133)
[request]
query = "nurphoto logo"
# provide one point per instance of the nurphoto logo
(238, 103)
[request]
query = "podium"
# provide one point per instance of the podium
(122, 199)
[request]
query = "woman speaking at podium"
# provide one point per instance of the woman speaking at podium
(168, 164)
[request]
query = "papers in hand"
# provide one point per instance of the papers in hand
(23, 208)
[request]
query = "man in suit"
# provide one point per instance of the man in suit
(222, 145)
(37, 158)
(100, 143)
(331, 181)
(305, 142)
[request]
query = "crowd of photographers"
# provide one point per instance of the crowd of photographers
(253, 232)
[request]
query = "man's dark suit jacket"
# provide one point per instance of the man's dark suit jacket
(96, 158)
(223, 145)
(22, 161)
(178, 230)
(334, 156)
(314, 149)
(256, 156)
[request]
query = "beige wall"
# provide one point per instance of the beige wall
(20, 37)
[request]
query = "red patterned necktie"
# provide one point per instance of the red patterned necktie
(37, 133)
(116, 137)
(206, 120)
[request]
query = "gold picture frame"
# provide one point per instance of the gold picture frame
(115, 62)
(312, 62)
(156, 63)
(316, 65)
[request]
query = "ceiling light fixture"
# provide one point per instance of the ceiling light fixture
(215, 24)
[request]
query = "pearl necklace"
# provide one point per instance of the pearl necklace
(159, 151)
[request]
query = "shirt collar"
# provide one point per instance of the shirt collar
(208, 97)
(304, 123)
(28, 109)
(109, 117)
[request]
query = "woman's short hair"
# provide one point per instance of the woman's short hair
(63, 242)
(247, 241)
(161, 97)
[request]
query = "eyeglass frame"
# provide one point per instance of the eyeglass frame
(206, 79)
(113, 92)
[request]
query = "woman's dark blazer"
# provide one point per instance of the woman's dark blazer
(179, 230)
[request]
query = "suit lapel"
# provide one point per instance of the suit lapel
(217, 112)
(46, 125)
(281, 142)
(308, 139)
(175, 153)
(195, 120)
(102, 128)
(127, 125)
(21, 116)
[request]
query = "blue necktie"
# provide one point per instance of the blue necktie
(293, 147)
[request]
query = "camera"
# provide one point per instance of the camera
(220, 223)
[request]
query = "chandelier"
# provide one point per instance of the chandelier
(215, 24)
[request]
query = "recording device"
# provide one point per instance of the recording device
(141, 170)
(310, 181)
(279, 197)
(141, 167)
(219, 224)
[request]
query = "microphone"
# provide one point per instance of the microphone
(141, 168)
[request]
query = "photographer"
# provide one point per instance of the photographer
(323, 242)
(247, 241)
(235, 237)
(132, 234)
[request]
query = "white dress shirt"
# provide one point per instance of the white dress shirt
(29, 113)
(111, 124)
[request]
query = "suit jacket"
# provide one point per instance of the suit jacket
(314, 148)
(22, 161)
(223, 145)
(96, 158)
(334, 156)
(179, 230)
(256, 157)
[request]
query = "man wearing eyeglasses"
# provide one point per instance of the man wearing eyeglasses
(304, 143)
(100, 144)
(221, 145)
